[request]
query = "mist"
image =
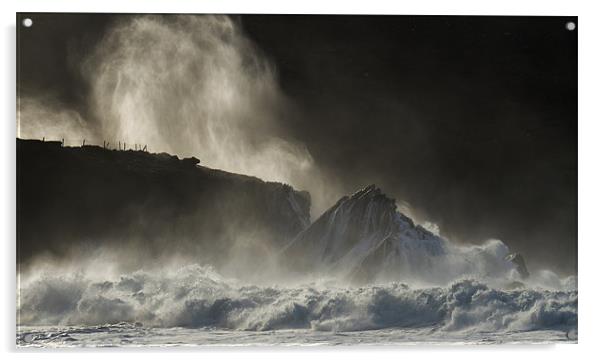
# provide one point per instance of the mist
(331, 104)
(192, 179)
(190, 86)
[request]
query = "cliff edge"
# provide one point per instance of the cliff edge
(71, 199)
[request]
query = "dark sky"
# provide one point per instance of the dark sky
(470, 120)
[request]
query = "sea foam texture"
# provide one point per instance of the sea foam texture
(196, 296)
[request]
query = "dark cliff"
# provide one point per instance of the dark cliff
(76, 198)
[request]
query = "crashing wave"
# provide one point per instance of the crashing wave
(415, 279)
(196, 296)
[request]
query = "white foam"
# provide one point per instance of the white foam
(196, 296)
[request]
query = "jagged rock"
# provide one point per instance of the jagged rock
(361, 235)
(192, 161)
(518, 260)
(364, 237)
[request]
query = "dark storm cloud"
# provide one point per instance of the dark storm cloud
(471, 120)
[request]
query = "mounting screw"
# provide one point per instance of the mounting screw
(570, 26)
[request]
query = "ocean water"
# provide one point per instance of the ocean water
(131, 335)
(194, 305)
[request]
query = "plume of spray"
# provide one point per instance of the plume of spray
(197, 86)
(191, 86)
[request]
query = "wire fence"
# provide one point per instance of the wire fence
(111, 145)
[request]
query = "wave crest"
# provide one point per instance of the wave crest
(196, 296)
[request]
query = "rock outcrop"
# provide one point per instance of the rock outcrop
(362, 235)
(363, 238)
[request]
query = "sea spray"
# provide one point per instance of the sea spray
(197, 296)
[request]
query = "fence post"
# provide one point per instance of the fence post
(62, 142)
